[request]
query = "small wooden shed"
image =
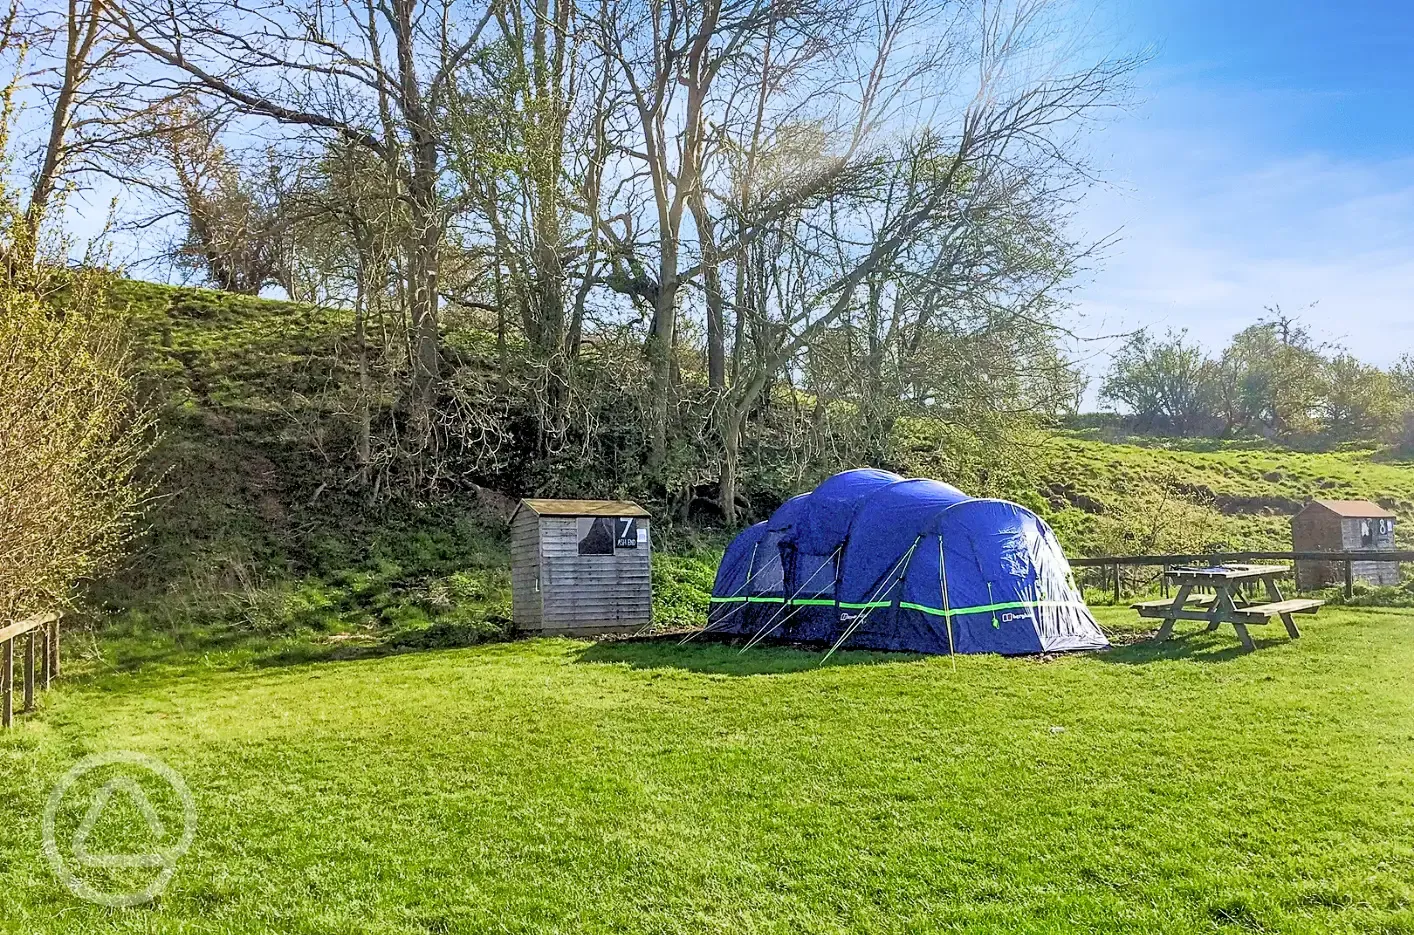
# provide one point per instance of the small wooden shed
(1343, 526)
(580, 567)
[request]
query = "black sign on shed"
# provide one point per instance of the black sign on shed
(601, 535)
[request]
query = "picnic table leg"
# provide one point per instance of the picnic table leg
(1215, 615)
(1274, 592)
(1222, 605)
(1166, 629)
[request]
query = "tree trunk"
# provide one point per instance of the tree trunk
(365, 390)
(425, 234)
(548, 293)
(731, 467)
(82, 32)
(662, 340)
(422, 265)
(712, 287)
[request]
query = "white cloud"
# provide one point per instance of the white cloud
(1217, 222)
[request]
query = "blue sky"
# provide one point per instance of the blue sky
(1268, 159)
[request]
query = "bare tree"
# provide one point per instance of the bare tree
(375, 75)
(511, 126)
(683, 71)
(921, 204)
(869, 196)
(236, 211)
(81, 73)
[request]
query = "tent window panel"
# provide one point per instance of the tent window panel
(768, 576)
(815, 575)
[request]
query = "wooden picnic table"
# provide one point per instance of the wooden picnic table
(1226, 604)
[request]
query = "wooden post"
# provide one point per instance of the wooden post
(1349, 580)
(29, 670)
(54, 665)
(7, 679)
(1116, 582)
(44, 662)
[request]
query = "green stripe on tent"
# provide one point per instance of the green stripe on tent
(752, 600)
(986, 608)
(906, 605)
(801, 601)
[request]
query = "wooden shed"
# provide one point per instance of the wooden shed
(580, 567)
(1343, 526)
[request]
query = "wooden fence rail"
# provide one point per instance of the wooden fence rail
(41, 660)
(1348, 559)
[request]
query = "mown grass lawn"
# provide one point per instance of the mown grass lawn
(559, 786)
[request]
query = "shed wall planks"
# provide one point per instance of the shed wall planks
(558, 591)
(525, 570)
(1317, 528)
(1378, 573)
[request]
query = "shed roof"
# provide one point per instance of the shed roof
(1355, 509)
(583, 507)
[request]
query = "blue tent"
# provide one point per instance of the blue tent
(871, 560)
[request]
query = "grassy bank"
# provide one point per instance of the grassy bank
(256, 532)
(1232, 495)
(257, 537)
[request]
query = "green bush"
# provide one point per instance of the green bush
(682, 586)
(1366, 595)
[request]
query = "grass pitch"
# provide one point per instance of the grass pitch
(563, 786)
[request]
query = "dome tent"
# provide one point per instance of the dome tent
(871, 560)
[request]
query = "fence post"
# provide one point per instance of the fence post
(44, 656)
(1349, 580)
(7, 682)
(29, 670)
(1116, 582)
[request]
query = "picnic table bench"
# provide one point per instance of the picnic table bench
(1227, 604)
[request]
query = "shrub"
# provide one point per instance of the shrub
(71, 436)
(682, 587)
